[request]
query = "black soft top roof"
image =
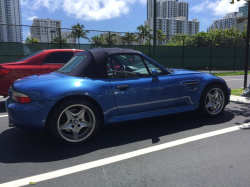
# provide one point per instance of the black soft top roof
(94, 64)
(101, 54)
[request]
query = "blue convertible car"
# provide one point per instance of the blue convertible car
(103, 86)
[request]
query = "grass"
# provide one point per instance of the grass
(230, 73)
(237, 92)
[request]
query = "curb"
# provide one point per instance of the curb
(239, 99)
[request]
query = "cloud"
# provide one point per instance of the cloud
(31, 18)
(218, 7)
(86, 9)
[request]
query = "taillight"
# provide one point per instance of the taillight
(19, 97)
(4, 71)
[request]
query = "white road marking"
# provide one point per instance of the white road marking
(113, 159)
(3, 116)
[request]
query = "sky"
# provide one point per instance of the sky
(115, 15)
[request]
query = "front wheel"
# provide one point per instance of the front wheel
(74, 122)
(213, 100)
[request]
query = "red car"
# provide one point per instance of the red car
(44, 61)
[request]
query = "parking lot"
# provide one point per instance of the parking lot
(218, 157)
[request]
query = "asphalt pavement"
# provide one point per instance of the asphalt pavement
(235, 81)
(220, 159)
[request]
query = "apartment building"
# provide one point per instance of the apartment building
(231, 19)
(45, 29)
(67, 35)
(168, 8)
(173, 26)
(113, 34)
(172, 18)
(10, 13)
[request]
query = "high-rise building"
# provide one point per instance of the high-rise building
(231, 19)
(45, 29)
(173, 26)
(10, 13)
(168, 8)
(171, 18)
(244, 9)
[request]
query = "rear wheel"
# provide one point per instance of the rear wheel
(213, 100)
(74, 122)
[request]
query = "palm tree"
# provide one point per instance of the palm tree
(97, 40)
(128, 38)
(160, 36)
(144, 32)
(31, 39)
(112, 41)
(57, 40)
(78, 32)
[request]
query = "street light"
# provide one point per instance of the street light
(247, 46)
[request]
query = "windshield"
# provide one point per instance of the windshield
(27, 57)
(72, 64)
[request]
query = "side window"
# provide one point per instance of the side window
(151, 66)
(126, 66)
(61, 58)
(47, 60)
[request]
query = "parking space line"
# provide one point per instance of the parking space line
(113, 159)
(3, 116)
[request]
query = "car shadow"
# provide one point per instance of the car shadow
(19, 146)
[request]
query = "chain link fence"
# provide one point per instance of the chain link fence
(189, 52)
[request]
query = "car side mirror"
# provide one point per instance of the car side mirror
(154, 74)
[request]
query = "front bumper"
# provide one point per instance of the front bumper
(30, 116)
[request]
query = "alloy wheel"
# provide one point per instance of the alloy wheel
(214, 101)
(76, 123)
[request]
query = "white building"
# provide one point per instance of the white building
(171, 18)
(113, 34)
(231, 19)
(45, 29)
(67, 35)
(168, 8)
(173, 26)
(10, 13)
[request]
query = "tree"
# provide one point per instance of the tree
(129, 38)
(78, 32)
(112, 41)
(57, 40)
(233, 1)
(144, 32)
(31, 39)
(160, 36)
(97, 40)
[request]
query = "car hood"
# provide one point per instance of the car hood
(184, 72)
(36, 78)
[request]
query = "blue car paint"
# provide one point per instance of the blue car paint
(141, 101)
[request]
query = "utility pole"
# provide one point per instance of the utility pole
(154, 30)
(247, 47)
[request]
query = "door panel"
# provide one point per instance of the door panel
(188, 89)
(143, 94)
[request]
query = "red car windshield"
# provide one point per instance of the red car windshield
(27, 57)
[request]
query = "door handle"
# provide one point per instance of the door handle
(122, 87)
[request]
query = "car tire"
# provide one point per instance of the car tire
(74, 122)
(213, 101)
